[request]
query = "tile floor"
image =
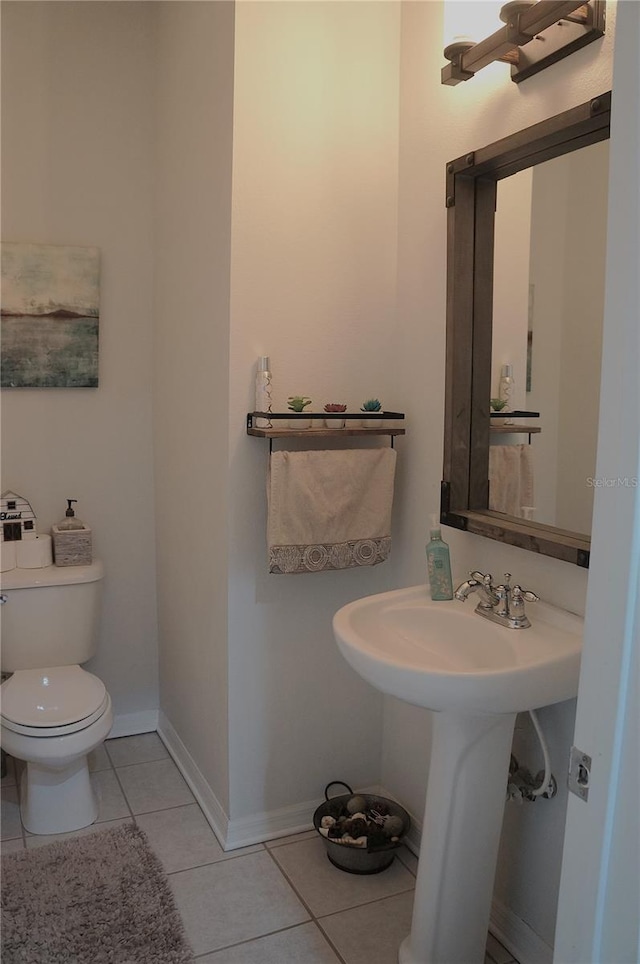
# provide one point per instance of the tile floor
(276, 903)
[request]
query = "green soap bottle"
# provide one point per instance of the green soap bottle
(439, 565)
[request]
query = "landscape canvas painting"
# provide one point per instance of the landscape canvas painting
(50, 313)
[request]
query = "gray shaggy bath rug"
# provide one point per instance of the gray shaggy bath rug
(98, 899)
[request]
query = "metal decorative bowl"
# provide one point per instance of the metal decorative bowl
(360, 860)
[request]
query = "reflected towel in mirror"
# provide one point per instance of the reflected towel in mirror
(510, 479)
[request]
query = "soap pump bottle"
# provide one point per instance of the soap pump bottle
(438, 564)
(70, 521)
(263, 391)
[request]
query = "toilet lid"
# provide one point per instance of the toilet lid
(51, 697)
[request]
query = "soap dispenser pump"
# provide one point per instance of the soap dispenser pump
(70, 521)
(72, 540)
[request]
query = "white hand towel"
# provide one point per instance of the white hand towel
(510, 479)
(329, 509)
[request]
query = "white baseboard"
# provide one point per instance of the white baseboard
(270, 824)
(209, 803)
(130, 724)
(243, 831)
(516, 935)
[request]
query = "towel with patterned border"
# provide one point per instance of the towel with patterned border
(329, 509)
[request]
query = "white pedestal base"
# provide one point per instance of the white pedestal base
(460, 838)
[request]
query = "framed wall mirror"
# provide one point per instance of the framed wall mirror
(526, 242)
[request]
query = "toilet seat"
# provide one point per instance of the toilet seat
(52, 701)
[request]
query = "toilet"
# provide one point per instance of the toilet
(53, 712)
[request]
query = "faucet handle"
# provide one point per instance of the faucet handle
(518, 597)
(519, 592)
(486, 580)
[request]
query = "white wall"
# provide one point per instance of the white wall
(579, 395)
(77, 94)
(194, 88)
(437, 124)
(313, 285)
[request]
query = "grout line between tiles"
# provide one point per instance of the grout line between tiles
(292, 885)
(126, 799)
(224, 860)
(250, 940)
(329, 942)
(207, 863)
(137, 763)
(307, 908)
(366, 903)
(141, 763)
(373, 900)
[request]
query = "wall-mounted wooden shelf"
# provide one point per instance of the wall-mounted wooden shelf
(517, 429)
(324, 432)
(514, 429)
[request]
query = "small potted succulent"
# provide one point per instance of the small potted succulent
(334, 408)
(298, 403)
(370, 406)
(497, 405)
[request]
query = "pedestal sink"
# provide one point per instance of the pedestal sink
(476, 676)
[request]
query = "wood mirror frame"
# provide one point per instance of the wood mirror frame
(471, 202)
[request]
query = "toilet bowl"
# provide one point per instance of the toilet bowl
(52, 719)
(53, 712)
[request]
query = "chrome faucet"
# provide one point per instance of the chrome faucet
(503, 604)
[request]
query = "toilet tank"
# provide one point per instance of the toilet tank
(49, 617)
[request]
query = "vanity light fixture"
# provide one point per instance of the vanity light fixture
(535, 35)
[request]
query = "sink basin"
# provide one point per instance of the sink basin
(444, 656)
(476, 675)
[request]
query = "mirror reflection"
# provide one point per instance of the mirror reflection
(548, 304)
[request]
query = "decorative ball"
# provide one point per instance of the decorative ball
(393, 826)
(356, 803)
